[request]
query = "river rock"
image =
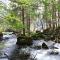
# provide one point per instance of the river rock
(37, 47)
(44, 46)
(54, 52)
(23, 40)
(1, 36)
(57, 45)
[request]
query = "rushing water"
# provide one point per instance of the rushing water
(36, 54)
(10, 51)
(7, 46)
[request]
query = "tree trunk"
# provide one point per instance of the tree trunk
(28, 25)
(45, 16)
(58, 13)
(54, 15)
(58, 18)
(23, 21)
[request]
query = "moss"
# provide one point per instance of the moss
(1, 36)
(37, 35)
(52, 34)
(24, 40)
(47, 34)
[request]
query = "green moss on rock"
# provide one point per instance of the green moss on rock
(24, 40)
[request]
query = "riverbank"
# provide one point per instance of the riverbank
(24, 52)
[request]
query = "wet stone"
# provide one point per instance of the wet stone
(44, 46)
(54, 53)
(1, 36)
(37, 47)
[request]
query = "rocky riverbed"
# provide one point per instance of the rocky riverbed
(36, 52)
(10, 51)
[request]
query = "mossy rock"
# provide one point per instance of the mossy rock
(24, 40)
(1, 36)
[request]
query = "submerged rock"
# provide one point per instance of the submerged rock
(44, 46)
(53, 52)
(37, 47)
(57, 45)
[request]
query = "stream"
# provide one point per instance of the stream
(10, 51)
(7, 46)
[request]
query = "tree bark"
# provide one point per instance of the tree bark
(58, 14)
(54, 15)
(28, 25)
(23, 21)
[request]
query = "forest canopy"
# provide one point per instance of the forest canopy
(21, 14)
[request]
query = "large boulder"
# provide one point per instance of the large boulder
(24, 40)
(44, 46)
(1, 36)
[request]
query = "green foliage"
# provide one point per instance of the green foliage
(13, 21)
(29, 6)
(37, 35)
(3, 9)
(3, 13)
(25, 2)
(2, 5)
(58, 7)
